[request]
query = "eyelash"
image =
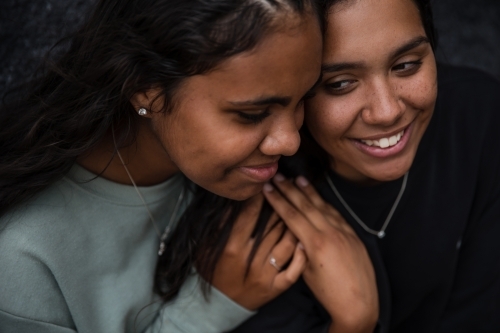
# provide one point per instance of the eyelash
(258, 118)
(254, 118)
(408, 71)
(340, 90)
(414, 66)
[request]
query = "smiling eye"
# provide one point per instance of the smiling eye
(253, 117)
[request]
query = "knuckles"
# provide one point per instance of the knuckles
(233, 250)
(307, 207)
(290, 213)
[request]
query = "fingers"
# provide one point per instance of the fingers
(268, 243)
(300, 200)
(310, 192)
(271, 223)
(283, 251)
(290, 275)
(311, 204)
(294, 220)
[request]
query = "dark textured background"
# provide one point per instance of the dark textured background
(469, 33)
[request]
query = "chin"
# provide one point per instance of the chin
(240, 193)
(388, 174)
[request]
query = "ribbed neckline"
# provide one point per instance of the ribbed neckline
(120, 193)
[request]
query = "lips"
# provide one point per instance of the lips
(385, 142)
(260, 173)
(386, 146)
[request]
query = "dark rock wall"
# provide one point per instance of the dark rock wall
(469, 33)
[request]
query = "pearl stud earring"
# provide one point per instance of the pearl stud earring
(142, 112)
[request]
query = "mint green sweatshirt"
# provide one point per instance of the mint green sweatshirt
(81, 256)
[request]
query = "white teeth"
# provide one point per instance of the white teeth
(385, 142)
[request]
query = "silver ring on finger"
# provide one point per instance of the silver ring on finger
(273, 263)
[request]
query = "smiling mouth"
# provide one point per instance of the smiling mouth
(385, 146)
(385, 142)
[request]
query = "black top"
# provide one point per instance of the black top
(438, 267)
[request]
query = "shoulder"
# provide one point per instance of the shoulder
(467, 85)
(43, 215)
(37, 236)
(453, 75)
(468, 98)
(27, 240)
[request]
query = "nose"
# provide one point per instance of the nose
(283, 137)
(385, 107)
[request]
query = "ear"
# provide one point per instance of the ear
(148, 100)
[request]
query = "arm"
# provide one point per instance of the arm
(30, 298)
(10, 323)
(474, 302)
(190, 311)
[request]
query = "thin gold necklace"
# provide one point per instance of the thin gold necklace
(381, 233)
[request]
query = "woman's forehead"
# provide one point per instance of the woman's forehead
(364, 25)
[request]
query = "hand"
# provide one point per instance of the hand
(339, 271)
(264, 281)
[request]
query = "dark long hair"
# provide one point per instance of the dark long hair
(204, 228)
(126, 47)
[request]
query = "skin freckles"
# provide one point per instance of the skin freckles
(379, 78)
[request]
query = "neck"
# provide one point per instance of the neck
(145, 158)
(352, 176)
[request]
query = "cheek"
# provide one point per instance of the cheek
(421, 93)
(206, 149)
(327, 119)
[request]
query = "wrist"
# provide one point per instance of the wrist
(334, 328)
(357, 323)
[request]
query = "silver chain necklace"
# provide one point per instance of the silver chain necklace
(380, 234)
(166, 232)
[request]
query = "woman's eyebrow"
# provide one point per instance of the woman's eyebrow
(336, 67)
(417, 41)
(283, 101)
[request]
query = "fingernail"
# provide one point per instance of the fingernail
(279, 177)
(302, 181)
(268, 187)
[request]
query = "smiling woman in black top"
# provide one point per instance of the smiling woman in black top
(407, 151)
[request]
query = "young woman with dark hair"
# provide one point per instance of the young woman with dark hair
(95, 154)
(91, 156)
(407, 151)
